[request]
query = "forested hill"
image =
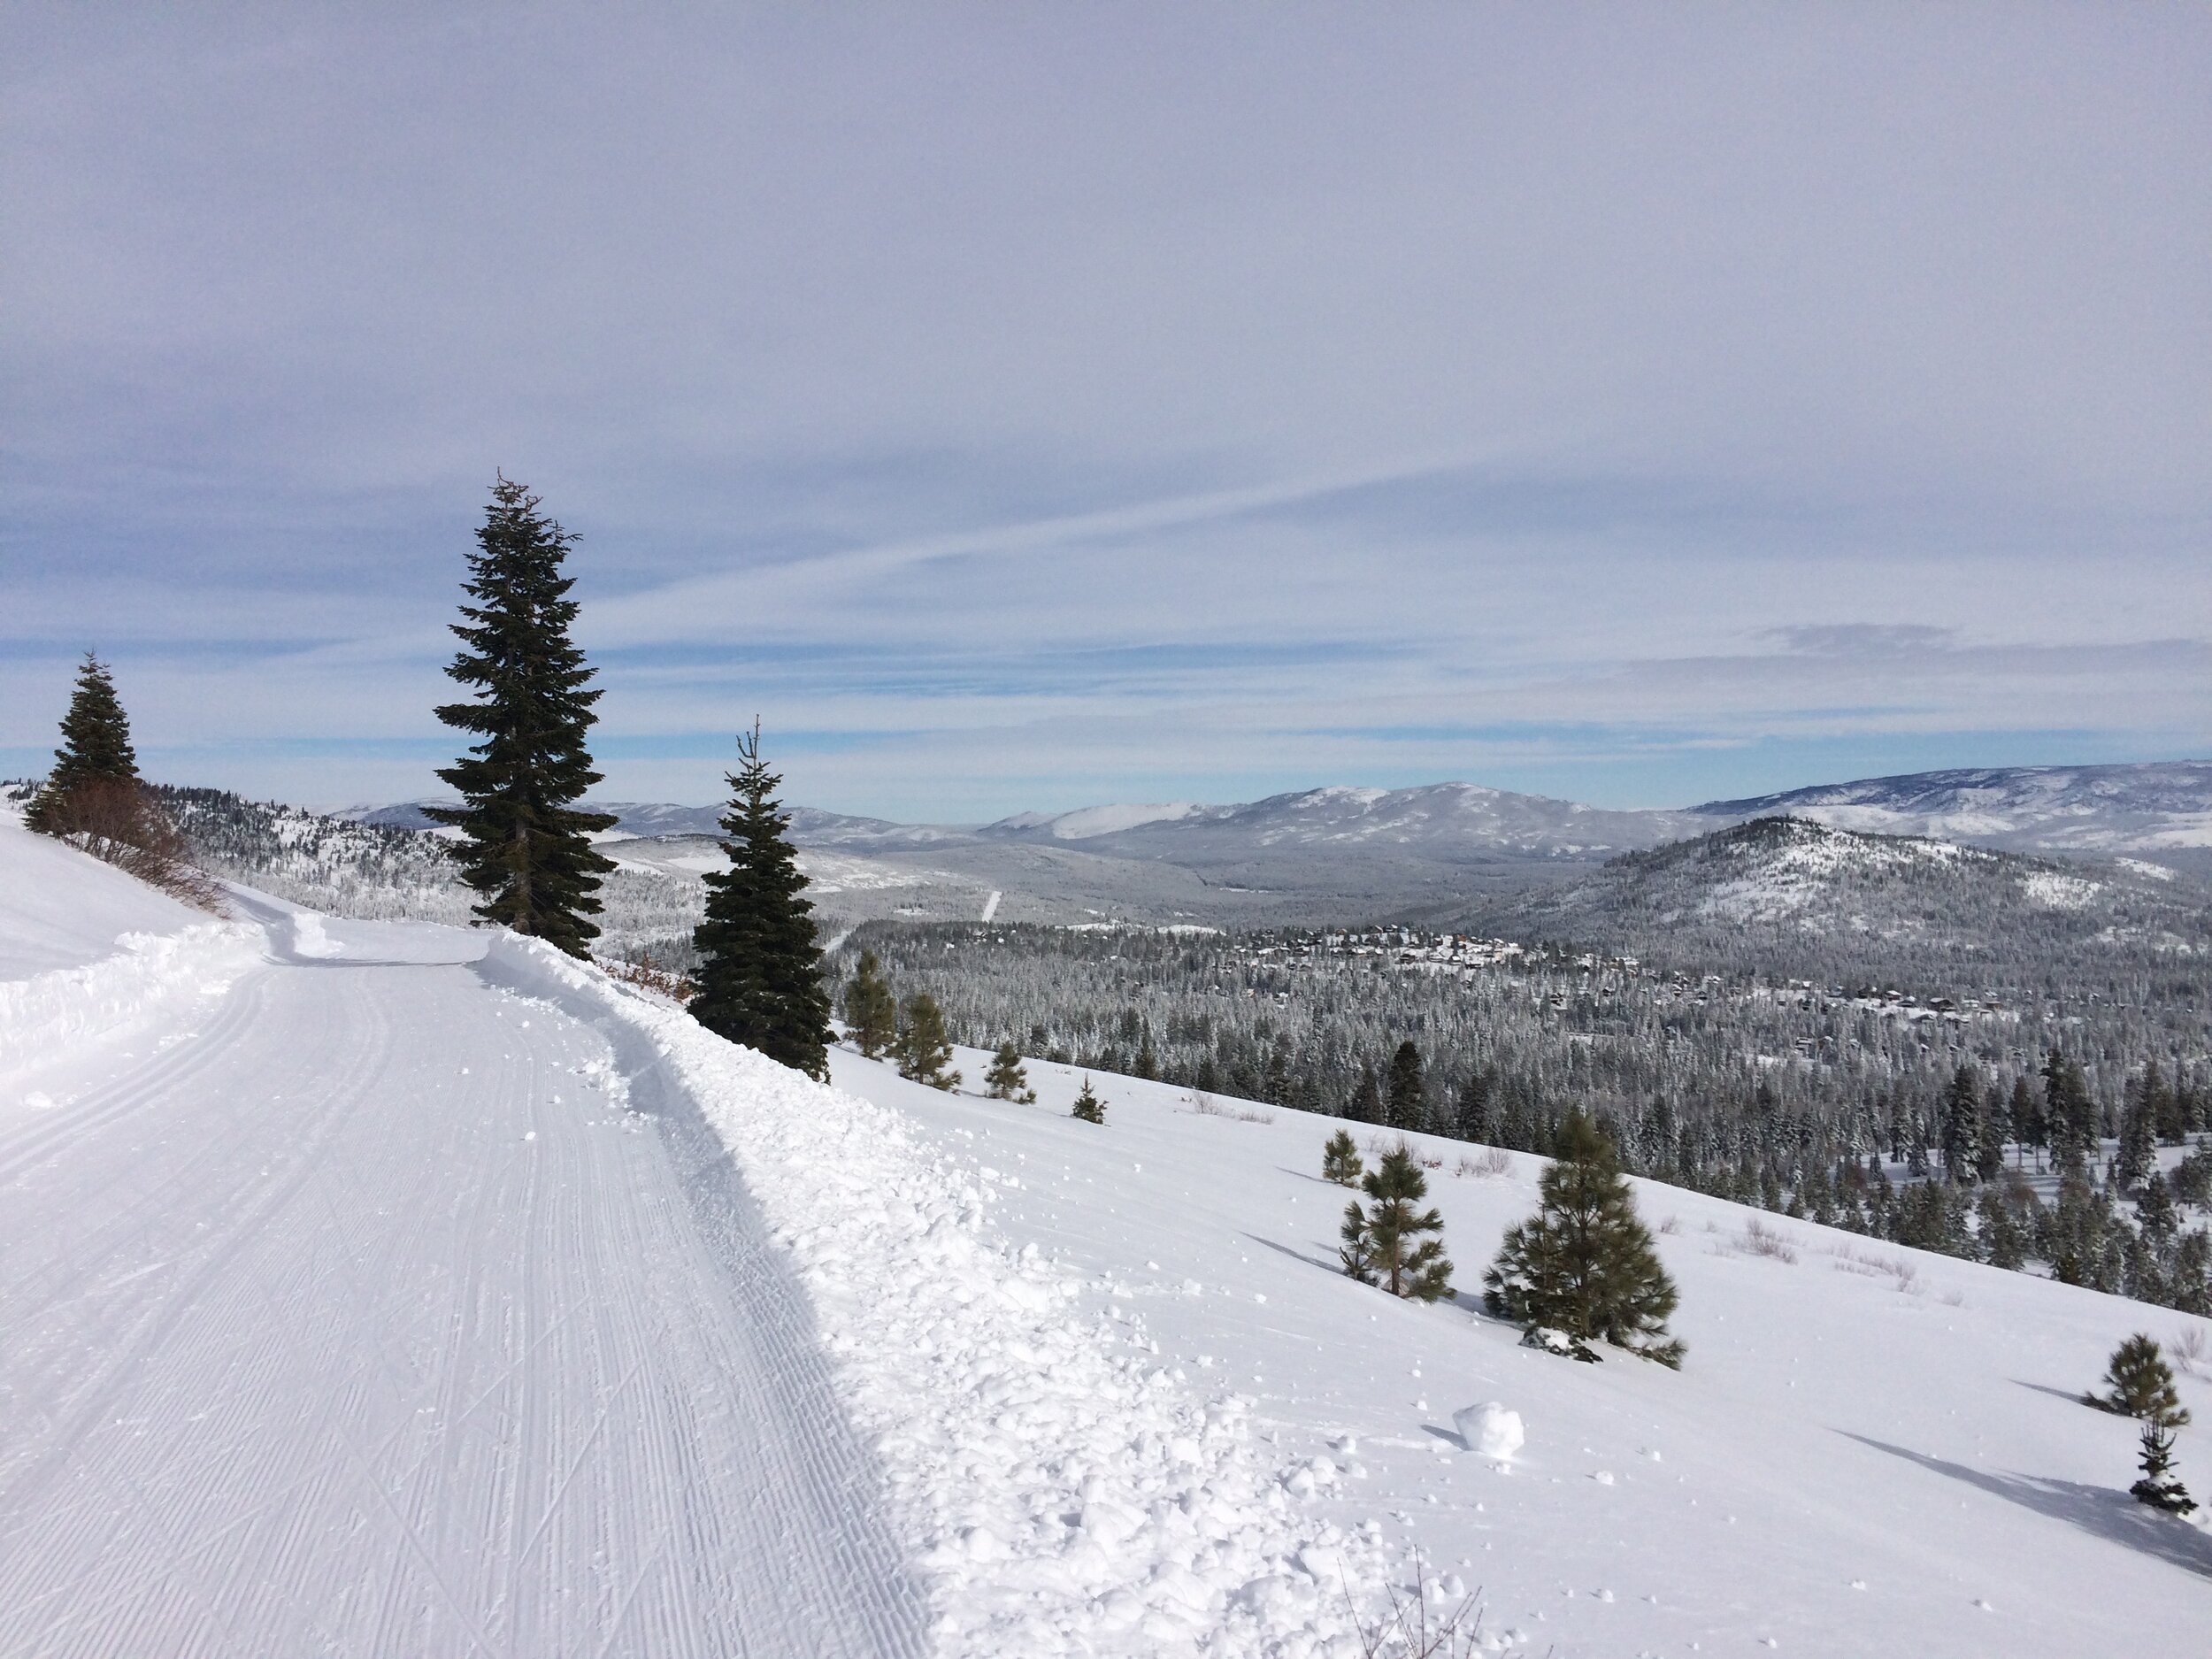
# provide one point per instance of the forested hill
(1788, 895)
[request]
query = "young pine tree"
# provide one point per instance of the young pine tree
(96, 749)
(2139, 1383)
(526, 848)
(1008, 1079)
(1340, 1161)
(1584, 1264)
(1385, 1239)
(1088, 1107)
(1409, 1093)
(870, 1009)
(921, 1049)
(760, 970)
(2160, 1487)
(1366, 1106)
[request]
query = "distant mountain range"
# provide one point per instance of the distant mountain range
(1438, 852)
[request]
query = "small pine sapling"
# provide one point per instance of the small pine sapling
(2139, 1383)
(2160, 1487)
(1390, 1245)
(1340, 1161)
(870, 1009)
(1583, 1266)
(1007, 1079)
(921, 1049)
(1088, 1107)
(1359, 1259)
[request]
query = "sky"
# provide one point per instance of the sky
(1024, 407)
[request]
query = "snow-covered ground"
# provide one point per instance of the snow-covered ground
(1868, 1449)
(387, 1288)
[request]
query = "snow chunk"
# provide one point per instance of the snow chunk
(1490, 1430)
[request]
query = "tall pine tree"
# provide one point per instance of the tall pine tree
(525, 849)
(96, 748)
(760, 968)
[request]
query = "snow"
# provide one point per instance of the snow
(1490, 1430)
(381, 1287)
(1834, 1421)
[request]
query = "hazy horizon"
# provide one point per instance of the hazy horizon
(1027, 410)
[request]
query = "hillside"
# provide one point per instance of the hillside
(1869, 1449)
(1843, 904)
(2161, 807)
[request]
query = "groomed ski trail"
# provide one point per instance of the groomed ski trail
(367, 1318)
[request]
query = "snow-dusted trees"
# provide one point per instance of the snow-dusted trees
(1386, 1243)
(920, 1047)
(760, 970)
(1008, 1079)
(1340, 1161)
(525, 849)
(870, 1009)
(1409, 1090)
(1584, 1265)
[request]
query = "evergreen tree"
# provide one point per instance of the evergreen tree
(1472, 1117)
(1961, 1125)
(96, 748)
(2029, 1121)
(2004, 1242)
(1007, 1079)
(921, 1049)
(760, 970)
(1366, 1105)
(1408, 1095)
(1387, 1237)
(2160, 1487)
(1088, 1107)
(1147, 1062)
(1989, 1149)
(526, 848)
(870, 1009)
(1340, 1161)
(2071, 1115)
(2139, 1134)
(2139, 1383)
(2081, 1236)
(1584, 1265)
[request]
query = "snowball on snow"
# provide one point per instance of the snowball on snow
(1490, 1429)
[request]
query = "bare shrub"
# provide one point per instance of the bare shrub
(1411, 1632)
(117, 821)
(1906, 1274)
(1485, 1164)
(2189, 1348)
(1761, 1239)
(1671, 1225)
(1206, 1106)
(638, 968)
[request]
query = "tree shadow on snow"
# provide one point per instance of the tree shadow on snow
(2072, 1397)
(1330, 1264)
(2106, 1512)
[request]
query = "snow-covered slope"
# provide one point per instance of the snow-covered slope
(412, 1290)
(2149, 808)
(1869, 1449)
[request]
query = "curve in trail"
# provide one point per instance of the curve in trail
(377, 1320)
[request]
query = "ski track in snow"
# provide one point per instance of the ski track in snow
(1068, 1494)
(371, 1320)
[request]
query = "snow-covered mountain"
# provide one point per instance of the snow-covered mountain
(1827, 896)
(2157, 807)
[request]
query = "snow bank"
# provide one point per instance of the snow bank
(1064, 1493)
(44, 1015)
